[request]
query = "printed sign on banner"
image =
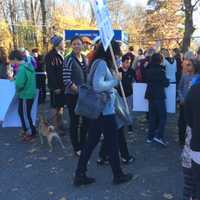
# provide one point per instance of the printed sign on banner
(140, 104)
(7, 91)
(103, 22)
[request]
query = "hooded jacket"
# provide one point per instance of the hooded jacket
(156, 82)
(25, 81)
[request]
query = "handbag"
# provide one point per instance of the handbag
(123, 118)
(90, 104)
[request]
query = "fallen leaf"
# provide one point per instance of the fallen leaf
(43, 158)
(11, 160)
(50, 193)
(32, 150)
(168, 196)
(61, 158)
(7, 144)
(28, 166)
(62, 198)
(15, 189)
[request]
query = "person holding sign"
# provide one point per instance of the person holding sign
(155, 93)
(25, 83)
(103, 81)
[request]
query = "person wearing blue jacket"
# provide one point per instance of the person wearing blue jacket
(103, 81)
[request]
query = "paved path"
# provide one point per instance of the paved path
(31, 172)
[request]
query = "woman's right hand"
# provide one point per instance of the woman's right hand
(74, 89)
(117, 75)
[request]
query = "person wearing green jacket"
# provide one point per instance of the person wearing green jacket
(25, 83)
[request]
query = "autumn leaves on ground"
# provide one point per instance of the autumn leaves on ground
(31, 172)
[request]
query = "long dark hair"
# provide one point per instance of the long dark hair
(3, 56)
(156, 59)
(100, 53)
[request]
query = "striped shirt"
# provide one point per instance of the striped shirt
(68, 69)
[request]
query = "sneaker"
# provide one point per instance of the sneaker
(102, 162)
(123, 178)
(160, 141)
(128, 160)
(83, 180)
(149, 141)
(78, 153)
(29, 138)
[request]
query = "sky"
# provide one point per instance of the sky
(138, 2)
(196, 16)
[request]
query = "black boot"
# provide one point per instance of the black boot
(82, 179)
(123, 178)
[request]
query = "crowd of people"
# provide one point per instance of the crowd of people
(65, 74)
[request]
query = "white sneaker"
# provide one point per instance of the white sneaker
(160, 141)
(78, 153)
(149, 141)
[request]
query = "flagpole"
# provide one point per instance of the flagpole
(120, 83)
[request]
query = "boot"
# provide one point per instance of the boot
(82, 179)
(123, 178)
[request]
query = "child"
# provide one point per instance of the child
(26, 90)
(128, 75)
(184, 86)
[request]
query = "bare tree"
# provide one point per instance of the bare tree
(44, 24)
(34, 9)
(12, 7)
(189, 9)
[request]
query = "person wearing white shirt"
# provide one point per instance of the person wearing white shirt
(170, 65)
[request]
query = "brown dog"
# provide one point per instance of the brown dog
(48, 131)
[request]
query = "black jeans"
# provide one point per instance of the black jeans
(24, 110)
(78, 125)
(157, 118)
(189, 185)
(123, 149)
(41, 85)
(196, 179)
(106, 125)
(182, 125)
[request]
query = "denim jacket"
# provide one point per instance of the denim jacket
(103, 81)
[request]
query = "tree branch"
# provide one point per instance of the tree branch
(195, 4)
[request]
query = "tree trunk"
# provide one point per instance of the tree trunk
(12, 10)
(33, 18)
(26, 10)
(44, 28)
(189, 25)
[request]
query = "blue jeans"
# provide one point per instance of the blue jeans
(157, 118)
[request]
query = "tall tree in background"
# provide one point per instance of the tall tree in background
(35, 11)
(188, 8)
(44, 24)
(164, 22)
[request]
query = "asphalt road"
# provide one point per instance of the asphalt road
(31, 172)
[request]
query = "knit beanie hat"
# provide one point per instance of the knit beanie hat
(56, 40)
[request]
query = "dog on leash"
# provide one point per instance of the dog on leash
(48, 131)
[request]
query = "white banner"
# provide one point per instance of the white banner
(140, 104)
(9, 105)
(104, 23)
(12, 117)
(7, 92)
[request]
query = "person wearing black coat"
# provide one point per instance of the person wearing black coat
(155, 93)
(192, 116)
(54, 67)
(40, 75)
